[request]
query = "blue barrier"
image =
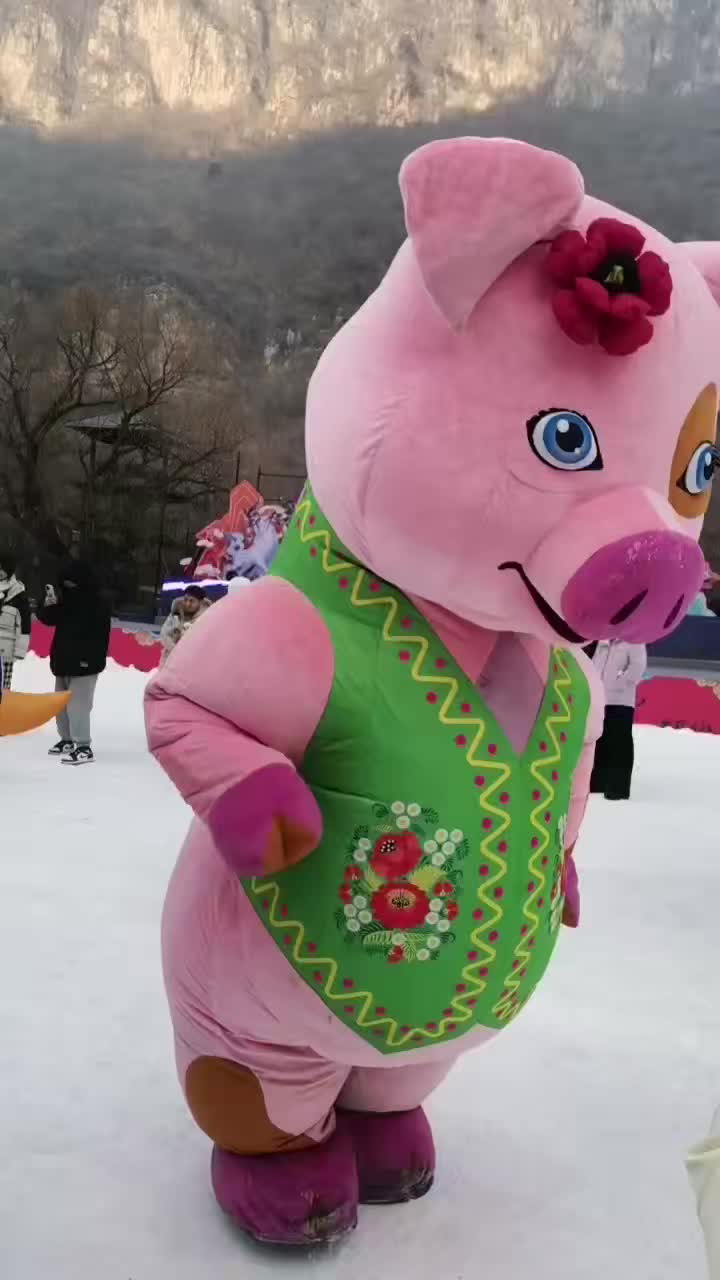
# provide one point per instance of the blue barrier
(695, 640)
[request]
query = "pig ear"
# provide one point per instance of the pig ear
(706, 256)
(474, 205)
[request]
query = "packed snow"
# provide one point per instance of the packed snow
(561, 1145)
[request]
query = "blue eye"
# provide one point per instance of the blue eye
(564, 440)
(698, 475)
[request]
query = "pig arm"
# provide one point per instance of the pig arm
(229, 718)
(580, 791)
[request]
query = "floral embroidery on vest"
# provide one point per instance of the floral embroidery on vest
(401, 885)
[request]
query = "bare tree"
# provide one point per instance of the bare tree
(100, 402)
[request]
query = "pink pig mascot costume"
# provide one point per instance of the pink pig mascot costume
(387, 742)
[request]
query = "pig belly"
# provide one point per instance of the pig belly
(233, 994)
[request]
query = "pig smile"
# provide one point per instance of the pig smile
(557, 623)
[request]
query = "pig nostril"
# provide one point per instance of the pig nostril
(672, 616)
(628, 609)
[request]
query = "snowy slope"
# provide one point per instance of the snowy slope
(561, 1145)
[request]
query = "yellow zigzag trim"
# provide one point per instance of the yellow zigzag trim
(507, 1008)
(462, 1010)
(270, 889)
(320, 535)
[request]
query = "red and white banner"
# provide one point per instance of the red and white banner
(680, 704)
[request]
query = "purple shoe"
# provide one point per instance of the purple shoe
(395, 1154)
(299, 1198)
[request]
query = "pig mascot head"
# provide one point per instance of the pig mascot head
(520, 424)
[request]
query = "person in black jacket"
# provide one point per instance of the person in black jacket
(78, 654)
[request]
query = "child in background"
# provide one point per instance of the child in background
(621, 667)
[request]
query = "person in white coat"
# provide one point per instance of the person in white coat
(621, 667)
(15, 618)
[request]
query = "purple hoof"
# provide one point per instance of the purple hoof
(299, 1198)
(395, 1154)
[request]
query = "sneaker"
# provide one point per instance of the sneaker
(61, 748)
(80, 755)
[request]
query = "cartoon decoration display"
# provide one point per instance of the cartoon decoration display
(387, 743)
(244, 541)
(210, 560)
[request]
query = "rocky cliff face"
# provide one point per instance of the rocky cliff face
(277, 64)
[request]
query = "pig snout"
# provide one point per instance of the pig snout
(618, 566)
(635, 589)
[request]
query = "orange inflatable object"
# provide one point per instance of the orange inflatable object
(21, 712)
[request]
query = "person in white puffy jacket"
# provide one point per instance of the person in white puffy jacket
(621, 667)
(15, 618)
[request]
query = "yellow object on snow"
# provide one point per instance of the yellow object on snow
(21, 712)
(703, 1166)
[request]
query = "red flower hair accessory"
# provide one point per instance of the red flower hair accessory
(607, 287)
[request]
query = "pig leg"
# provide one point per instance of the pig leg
(390, 1133)
(280, 1168)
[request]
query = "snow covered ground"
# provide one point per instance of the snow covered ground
(561, 1145)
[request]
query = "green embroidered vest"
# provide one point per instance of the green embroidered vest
(433, 903)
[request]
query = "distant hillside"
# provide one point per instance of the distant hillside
(278, 65)
(293, 236)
